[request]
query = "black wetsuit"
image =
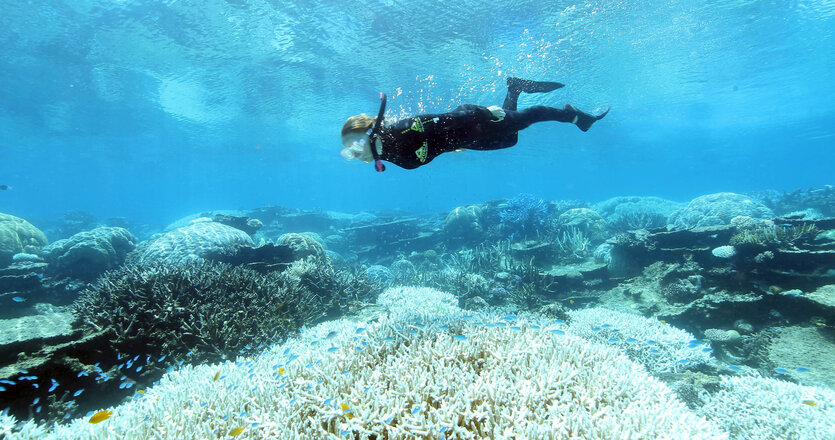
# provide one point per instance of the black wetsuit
(412, 142)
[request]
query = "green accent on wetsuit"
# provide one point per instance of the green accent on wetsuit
(417, 126)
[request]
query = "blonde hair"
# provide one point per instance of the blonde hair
(357, 123)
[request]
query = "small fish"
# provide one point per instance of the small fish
(331, 334)
(2, 389)
(387, 339)
(389, 420)
(509, 318)
(5, 187)
(557, 331)
(347, 411)
(613, 340)
(101, 416)
(292, 358)
(78, 393)
(360, 329)
(18, 299)
(809, 402)
(280, 371)
(779, 370)
(327, 401)
(35, 402)
(236, 431)
(7, 382)
(460, 337)
(516, 328)
(346, 432)
(333, 349)
(631, 340)
(140, 391)
(559, 321)
(571, 301)
(217, 376)
(802, 370)
(535, 327)
(415, 410)
(161, 358)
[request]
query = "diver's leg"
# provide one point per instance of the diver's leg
(569, 113)
(515, 86)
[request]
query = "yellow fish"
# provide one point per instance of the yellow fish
(346, 411)
(101, 416)
(809, 402)
(281, 371)
(571, 301)
(140, 391)
(217, 376)
(236, 431)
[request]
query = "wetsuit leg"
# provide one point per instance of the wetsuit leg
(515, 86)
(539, 113)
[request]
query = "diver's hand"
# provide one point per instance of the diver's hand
(498, 113)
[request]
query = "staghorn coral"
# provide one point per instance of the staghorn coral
(759, 408)
(659, 347)
(404, 376)
(210, 309)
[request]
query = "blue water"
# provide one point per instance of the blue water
(153, 110)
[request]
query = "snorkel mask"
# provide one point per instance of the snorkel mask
(356, 150)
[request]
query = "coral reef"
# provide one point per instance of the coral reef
(189, 243)
(465, 223)
(406, 377)
(524, 215)
(16, 236)
(758, 408)
(303, 246)
(659, 347)
(717, 209)
(628, 213)
(209, 309)
(88, 254)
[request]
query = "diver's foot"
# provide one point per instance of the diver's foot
(584, 120)
(528, 86)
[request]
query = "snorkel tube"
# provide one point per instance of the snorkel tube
(374, 132)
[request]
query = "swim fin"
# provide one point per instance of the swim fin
(584, 120)
(528, 86)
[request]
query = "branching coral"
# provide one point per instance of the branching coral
(207, 308)
(407, 376)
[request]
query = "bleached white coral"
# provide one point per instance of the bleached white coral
(657, 346)
(419, 301)
(460, 376)
(759, 408)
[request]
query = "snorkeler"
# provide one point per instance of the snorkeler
(412, 142)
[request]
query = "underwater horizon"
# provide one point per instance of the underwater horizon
(185, 251)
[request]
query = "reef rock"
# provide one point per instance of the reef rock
(17, 235)
(717, 209)
(189, 243)
(88, 254)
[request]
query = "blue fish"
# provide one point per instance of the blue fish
(460, 337)
(631, 340)
(7, 382)
(327, 401)
(292, 358)
(734, 367)
(802, 370)
(82, 373)
(779, 370)
(333, 349)
(516, 328)
(18, 299)
(389, 420)
(559, 321)
(535, 327)
(2, 389)
(387, 339)
(78, 393)
(416, 410)
(613, 340)
(360, 329)
(161, 358)
(509, 318)
(557, 331)
(331, 334)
